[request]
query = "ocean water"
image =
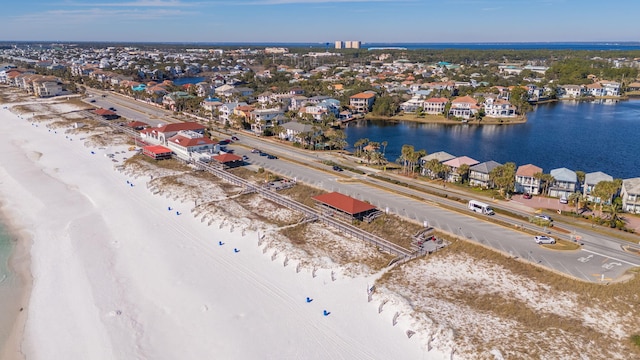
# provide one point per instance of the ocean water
(6, 247)
(10, 287)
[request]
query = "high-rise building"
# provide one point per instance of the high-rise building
(348, 44)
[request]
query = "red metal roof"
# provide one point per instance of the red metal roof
(225, 158)
(156, 149)
(103, 112)
(180, 126)
(344, 203)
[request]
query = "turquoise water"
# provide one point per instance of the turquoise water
(6, 247)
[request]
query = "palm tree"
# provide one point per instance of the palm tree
(576, 199)
(406, 153)
(384, 146)
(463, 172)
(614, 209)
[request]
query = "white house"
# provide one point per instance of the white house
(498, 108)
(630, 194)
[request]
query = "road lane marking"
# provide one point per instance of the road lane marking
(612, 258)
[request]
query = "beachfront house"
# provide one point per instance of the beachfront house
(454, 165)
(630, 194)
(479, 174)
(526, 181)
(160, 134)
(564, 184)
(189, 145)
(590, 182)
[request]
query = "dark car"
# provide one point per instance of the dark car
(269, 156)
(234, 138)
(526, 196)
(263, 154)
(112, 109)
(337, 168)
(92, 100)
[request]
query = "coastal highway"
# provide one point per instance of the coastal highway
(599, 259)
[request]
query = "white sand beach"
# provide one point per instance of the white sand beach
(118, 276)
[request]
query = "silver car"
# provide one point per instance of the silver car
(542, 239)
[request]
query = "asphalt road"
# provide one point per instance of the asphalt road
(599, 259)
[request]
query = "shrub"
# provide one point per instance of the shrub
(635, 339)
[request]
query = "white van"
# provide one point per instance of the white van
(480, 207)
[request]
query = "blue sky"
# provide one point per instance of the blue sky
(320, 20)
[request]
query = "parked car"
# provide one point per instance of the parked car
(526, 196)
(255, 151)
(337, 168)
(92, 100)
(564, 200)
(269, 156)
(542, 239)
(112, 109)
(263, 154)
(234, 138)
(245, 157)
(544, 217)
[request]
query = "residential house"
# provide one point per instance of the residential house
(412, 105)
(47, 86)
(595, 89)
(435, 106)
(564, 184)
(226, 110)
(160, 134)
(292, 131)
(362, 102)
(455, 164)
(526, 181)
(464, 107)
(498, 108)
(590, 182)
(192, 145)
(630, 194)
(611, 88)
(571, 91)
(263, 119)
(441, 156)
(479, 174)
(172, 100)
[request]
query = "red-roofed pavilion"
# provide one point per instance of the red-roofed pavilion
(157, 152)
(346, 206)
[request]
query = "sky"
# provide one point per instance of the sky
(310, 21)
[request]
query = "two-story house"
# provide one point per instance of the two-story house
(479, 174)
(464, 107)
(590, 181)
(498, 108)
(630, 194)
(455, 164)
(435, 105)
(564, 184)
(526, 182)
(192, 145)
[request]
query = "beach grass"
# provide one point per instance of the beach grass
(620, 298)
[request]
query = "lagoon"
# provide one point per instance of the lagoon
(588, 136)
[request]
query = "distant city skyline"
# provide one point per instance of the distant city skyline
(308, 21)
